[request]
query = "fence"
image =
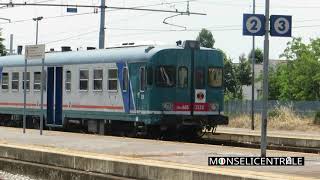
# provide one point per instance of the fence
(244, 106)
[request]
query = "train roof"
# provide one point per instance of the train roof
(123, 54)
(139, 53)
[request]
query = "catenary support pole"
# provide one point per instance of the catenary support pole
(11, 44)
(102, 24)
(253, 74)
(42, 89)
(265, 84)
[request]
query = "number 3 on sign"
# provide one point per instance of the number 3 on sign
(253, 24)
(280, 25)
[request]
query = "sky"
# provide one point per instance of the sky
(223, 19)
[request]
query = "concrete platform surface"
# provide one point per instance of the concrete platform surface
(161, 152)
(309, 141)
(271, 133)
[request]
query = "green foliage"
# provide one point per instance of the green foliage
(258, 55)
(205, 38)
(299, 79)
(317, 118)
(232, 86)
(243, 71)
(3, 51)
(236, 75)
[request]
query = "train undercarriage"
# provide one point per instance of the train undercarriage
(182, 127)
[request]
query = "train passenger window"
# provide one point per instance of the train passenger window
(5, 80)
(199, 78)
(15, 81)
(166, 76)
(215, 77)
(37, 81)
(113, 79)
(97, 79)
(27, 82)
(142, 78)
(183, 77)
(84, 80)
(125, 79)
(68, 81)
(149, 76)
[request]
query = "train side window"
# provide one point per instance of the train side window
(68, 81)
(183, 77)
(97, 79)
(142, 78)
(149, 76)
(215, 77)
(37, 81)
(84, 80)
(27, 81)
(5, 80)
(125, 79)
(166, 76)
(112, 79)
(199, 78)
(15, 81)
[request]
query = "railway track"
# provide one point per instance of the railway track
(210, 139)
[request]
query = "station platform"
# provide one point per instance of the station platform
(143, 158)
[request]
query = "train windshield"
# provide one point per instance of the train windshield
(165, 76)
(215, 77)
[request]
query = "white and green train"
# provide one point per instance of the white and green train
(143, 88)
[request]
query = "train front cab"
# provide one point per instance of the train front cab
(188, 86)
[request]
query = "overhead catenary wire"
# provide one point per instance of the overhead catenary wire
(87, 13)
(94, 6)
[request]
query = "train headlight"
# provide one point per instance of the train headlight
(167, 106)
(213, 107)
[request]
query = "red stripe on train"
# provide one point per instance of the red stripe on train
(65, 106)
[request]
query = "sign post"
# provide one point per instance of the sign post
(33, 52)
(263, 145)
(24, 95)
(258, 25)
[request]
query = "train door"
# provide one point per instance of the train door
(199, 93)
(54, 96)
(123, 74)
(183, 95)
(138, 77)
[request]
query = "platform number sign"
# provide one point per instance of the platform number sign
(253, 24)
(280, 25)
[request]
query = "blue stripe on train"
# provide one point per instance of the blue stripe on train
(59, 96)
(50, 95)
(1, 68)
(125, 94)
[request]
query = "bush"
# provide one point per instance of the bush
(317, 118)
(274, 113)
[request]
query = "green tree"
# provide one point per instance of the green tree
(299, 79)
(258, 54)
(232, 87)
(3, 51)
(243, 71)
(205, 38)
(231, 84)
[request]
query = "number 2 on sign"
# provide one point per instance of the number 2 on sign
(254, 24)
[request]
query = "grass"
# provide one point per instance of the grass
(281, 118)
